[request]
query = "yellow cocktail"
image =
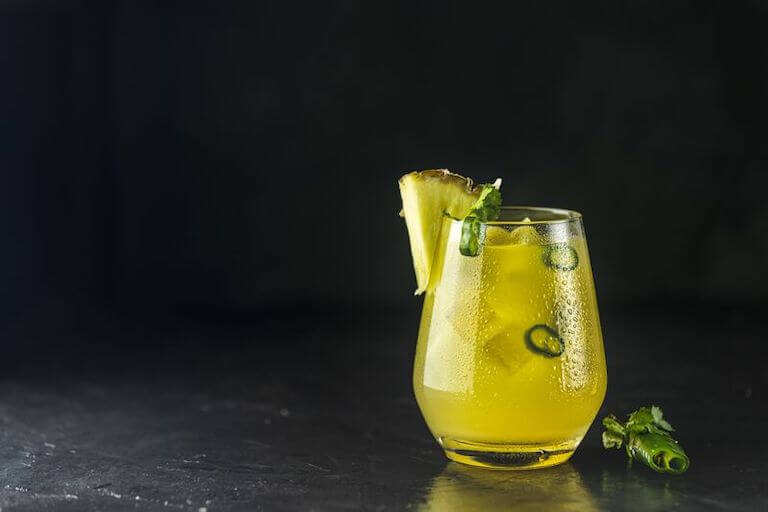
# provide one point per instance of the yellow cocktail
(510, 369)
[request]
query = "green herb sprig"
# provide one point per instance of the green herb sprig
(486, 208)
(646, 438)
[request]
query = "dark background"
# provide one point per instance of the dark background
(244, 155)
(206, 291)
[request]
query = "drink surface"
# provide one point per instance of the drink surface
(510, 348)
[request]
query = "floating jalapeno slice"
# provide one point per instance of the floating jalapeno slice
(544, 340)
(561, 257)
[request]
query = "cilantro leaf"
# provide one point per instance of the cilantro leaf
(641, 417)
(612, 440)
(658, 419)
(613, 425)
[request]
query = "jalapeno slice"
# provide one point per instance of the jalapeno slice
(544, 340)
(561, 257)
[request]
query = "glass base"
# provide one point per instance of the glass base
(508, 456)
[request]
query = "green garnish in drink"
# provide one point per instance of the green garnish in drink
(544, 340)
(486, 208)
(646, 437)
(561, 257)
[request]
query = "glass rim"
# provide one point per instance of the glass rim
(564, 215)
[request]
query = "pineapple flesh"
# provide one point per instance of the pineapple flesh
(428, 196)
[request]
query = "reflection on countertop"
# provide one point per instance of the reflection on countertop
(462, 488)
(563, 488)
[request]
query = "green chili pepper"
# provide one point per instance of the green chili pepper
(646, 438)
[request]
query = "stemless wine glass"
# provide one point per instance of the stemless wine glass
(510, 370)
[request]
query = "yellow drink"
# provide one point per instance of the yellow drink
(510, 369)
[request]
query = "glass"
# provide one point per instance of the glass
(510, 370)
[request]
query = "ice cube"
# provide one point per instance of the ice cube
(508, 349)
(499, 236)
(525, 235)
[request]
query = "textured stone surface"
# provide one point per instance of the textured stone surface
(188, 415)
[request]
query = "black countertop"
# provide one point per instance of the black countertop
(246, 414)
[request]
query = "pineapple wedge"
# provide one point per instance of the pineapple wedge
(427, 197)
